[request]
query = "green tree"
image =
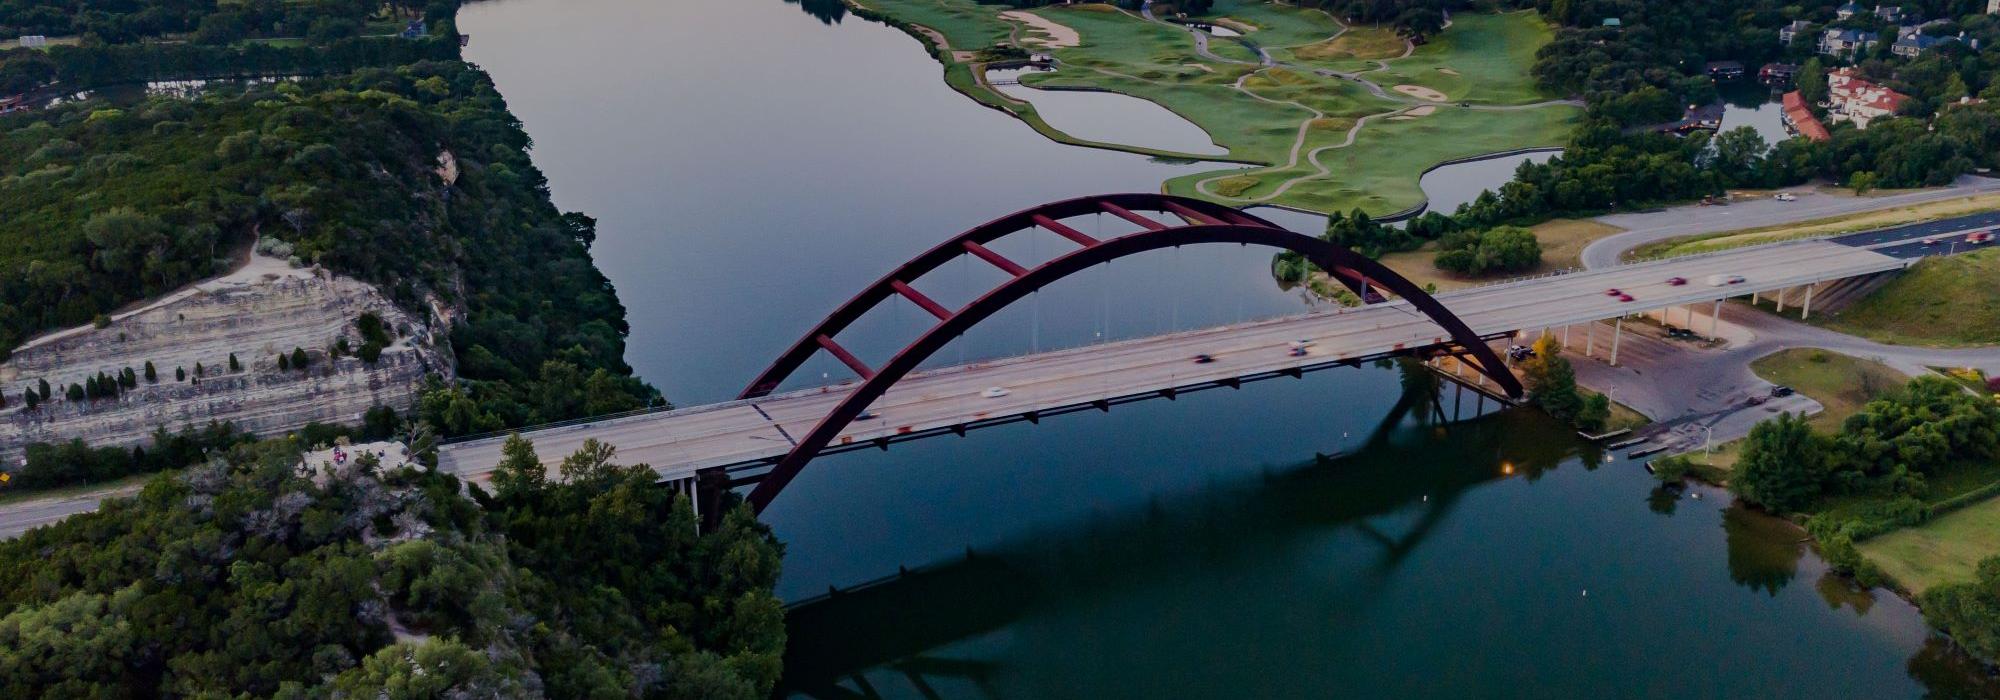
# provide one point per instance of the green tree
(299, 359)
(43, 386)
(152, 375)
(75, 393)
(234, 366)
(1970, 611)
(284, 362)
(1783, 466)
(180, 374)
(520, 470)
(1812, 81)
(29, 398)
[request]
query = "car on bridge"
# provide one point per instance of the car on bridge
(1203, 359)
(1724, 280)
(1979, 237)
(1612, 292)
(994, 392)
(1624, 297)
(1676, 281)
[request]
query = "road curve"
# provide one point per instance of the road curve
(1643, 228)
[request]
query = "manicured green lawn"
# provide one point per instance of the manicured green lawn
(968, 26)
(1278, 26)
(1482, 58)
(1945, 550)
(1841, 383)
(1951, 300)
(1264, 116)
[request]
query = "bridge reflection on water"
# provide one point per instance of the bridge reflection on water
(1403, 481)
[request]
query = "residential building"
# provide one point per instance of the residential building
(1849, 10)
(1892, 14)
(1847, 42)
(1778, 73)
(1853, 99)
(1791, 32)
(1909, 47)
(1799, 118)
(34, 41)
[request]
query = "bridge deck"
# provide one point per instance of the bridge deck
(679, 442)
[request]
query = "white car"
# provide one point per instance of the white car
(994, 392)
(1786, 197)
(1724, 280)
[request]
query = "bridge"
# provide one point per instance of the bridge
(765, 438)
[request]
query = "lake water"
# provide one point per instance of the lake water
(751, 165)
(1757, 107)
(1108, 117)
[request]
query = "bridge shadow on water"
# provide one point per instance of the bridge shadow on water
(1392, 491)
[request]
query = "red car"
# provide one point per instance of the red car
(1979, 237)
(1624, 297)
(1612, 292)
(1677, 281)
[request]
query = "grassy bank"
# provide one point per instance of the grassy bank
(1562, 240)
(1840, 383)
(1944, 301)
(1945, 550)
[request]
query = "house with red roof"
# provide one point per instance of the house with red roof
(1799, 118)
(1853, 99)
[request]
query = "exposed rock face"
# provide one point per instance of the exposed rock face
(258, 312)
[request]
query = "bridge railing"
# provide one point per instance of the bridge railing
(1251, 321)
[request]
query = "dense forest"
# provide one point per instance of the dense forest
(108, 205)
(246, 576)
(203, 21)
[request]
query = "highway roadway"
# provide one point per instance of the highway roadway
(679, 442)
(1642, 228)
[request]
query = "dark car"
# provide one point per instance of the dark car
(1677, 281)
(1203, 359)
(1782, 391)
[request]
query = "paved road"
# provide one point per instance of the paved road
(1642, 228)
(680, 442)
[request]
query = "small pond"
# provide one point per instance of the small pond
(1108, 117)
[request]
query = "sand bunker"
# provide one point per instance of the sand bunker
(1199, 66)
(1055, 36)
(1422, 93)
(1423, 111)
(1447, 71)
(1240, 27)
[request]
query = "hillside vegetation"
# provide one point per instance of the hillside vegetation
(111, 205)
(247, 577)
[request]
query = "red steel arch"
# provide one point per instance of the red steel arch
(1214, 224)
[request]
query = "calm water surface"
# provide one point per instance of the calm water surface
(1108, 117)
(751, 165)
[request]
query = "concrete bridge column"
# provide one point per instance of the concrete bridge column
(1714, 318)
(1753, 298)
(1617, 331)
(1781, 301)
(1589, 338)
(1565, 336)
(1807, 309)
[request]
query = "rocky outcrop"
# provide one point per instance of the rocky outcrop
(257, 313)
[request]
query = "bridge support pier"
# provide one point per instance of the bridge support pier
(1781, 301)
(1617, 331)
(1589, 339)
(1806, 311)
(1565, 336)
(709, 487)
(1714, 318)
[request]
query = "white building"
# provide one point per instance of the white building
(1852, 99)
